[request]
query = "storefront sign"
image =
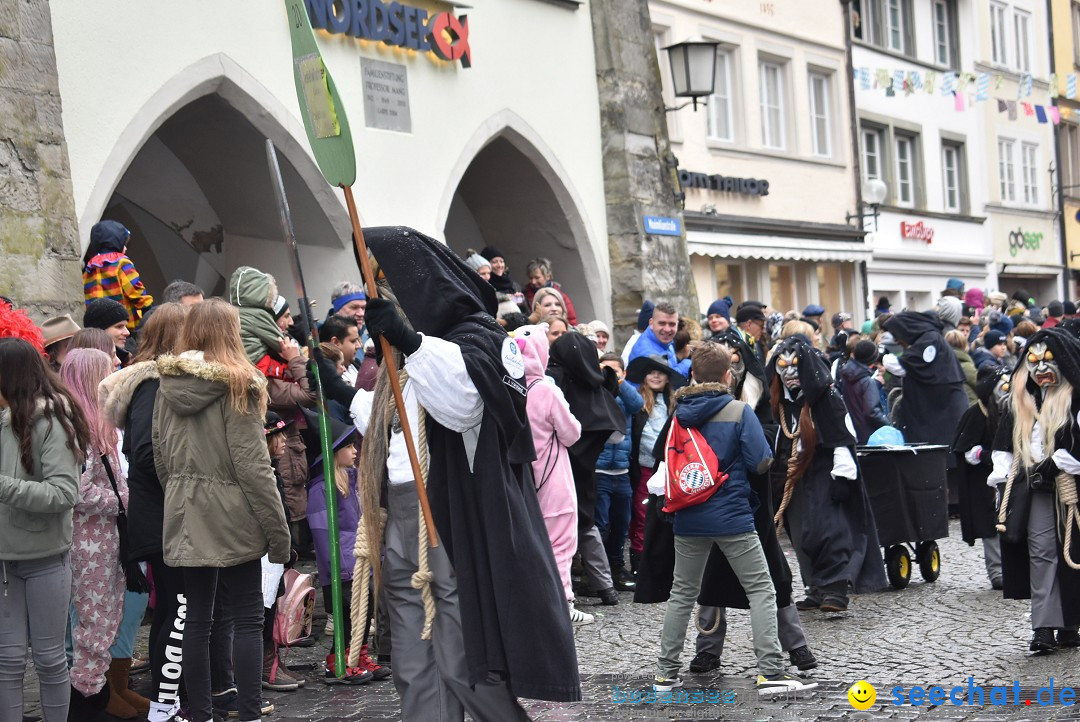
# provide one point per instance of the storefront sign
(723, 184)
(916, 231)
(386, 95)
(445, 35)
(662, 226)
(1019, 241)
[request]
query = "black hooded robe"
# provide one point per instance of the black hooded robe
(977, 501)
(1015, 561)
(513, 610)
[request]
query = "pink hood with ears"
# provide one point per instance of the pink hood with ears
(533, 342)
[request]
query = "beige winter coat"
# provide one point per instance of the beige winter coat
(222, 506)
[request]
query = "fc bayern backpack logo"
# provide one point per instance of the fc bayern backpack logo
(693, 471)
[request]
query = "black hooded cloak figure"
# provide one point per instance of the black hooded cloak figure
(978, 427)
(1018, 494)
(838, 536)
(933, 383)
(513, 611)
(591, 396)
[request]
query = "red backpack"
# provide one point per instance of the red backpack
(693, 471)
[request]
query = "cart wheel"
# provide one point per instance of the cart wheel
(898, 566)
(929, 558)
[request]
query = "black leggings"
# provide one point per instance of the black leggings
(167, 632)
(242, 584)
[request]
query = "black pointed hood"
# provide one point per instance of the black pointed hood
(814, 377)
(1066, 350)
(435, 288)
(574, 365)
(754, 367)
(927, 358)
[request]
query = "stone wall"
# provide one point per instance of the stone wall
(40, 265)
(637, 178)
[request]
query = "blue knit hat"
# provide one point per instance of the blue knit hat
(645, 315)
(720, 307)
(813, 310)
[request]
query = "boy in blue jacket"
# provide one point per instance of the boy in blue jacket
(614, 493)
(726, 519)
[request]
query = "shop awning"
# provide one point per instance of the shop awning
(775, 248)
(1015, 269)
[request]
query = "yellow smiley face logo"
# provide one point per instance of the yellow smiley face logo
(862, 695)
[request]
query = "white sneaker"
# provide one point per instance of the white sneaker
(329, 631)
(579, 617)
(782, 684)
(666, 684)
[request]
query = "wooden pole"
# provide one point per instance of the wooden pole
(391, 367)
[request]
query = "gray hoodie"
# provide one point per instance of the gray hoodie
(36, 504)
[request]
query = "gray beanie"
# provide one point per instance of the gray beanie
(475, 261)
(950, 309)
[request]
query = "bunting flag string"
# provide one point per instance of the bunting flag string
(969, 88)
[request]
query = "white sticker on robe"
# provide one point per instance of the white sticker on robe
(929, 354)
(849, 424)
(512, 359)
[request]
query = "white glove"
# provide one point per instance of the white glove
(657, 482)
(972, 455)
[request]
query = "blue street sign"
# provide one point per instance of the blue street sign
(662, 226)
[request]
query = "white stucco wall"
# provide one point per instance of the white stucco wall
(126, 65)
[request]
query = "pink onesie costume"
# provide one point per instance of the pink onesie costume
(97, 579)
(553, 429)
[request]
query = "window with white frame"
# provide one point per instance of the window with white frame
(772, 104)
(1070, 158)
(820, 127)
(1076, 31)
(905, 171)
(944, 44)
(1007, 169)
(871, 154)
(895, 31)
(721, 120)
(661, 39)
(1022, 40)
(1029, 172)
(998, 35)
(951, 171)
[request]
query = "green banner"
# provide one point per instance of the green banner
(320, 104)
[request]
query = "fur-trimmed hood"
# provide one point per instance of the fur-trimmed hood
(696, 389)
(116, 391)
(190, 383)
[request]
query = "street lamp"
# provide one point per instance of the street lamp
(873, 193)
(693, 69)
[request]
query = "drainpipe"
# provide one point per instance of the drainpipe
(855, 160)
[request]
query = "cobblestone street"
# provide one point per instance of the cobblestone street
(927, 634)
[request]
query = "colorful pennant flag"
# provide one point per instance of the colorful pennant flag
(864, 78)
(959, 102)
(1054, 89)
(1028, 109)
(928, 83)
(1040, 113)
(1055, 115)
(982, 88)
(1012, 109)
(948, 83)
(1070, 85)
(1002, 107)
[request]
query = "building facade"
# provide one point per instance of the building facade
(495, 146)
(1065, 29)
(924, 145)
(1021, 205)
(767, 164)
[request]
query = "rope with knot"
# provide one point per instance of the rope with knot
(1069, 508)
(789, 482)
(1014, 471)
(361, 592)
(421, 579)
(716, 622)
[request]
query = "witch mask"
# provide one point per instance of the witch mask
(1001, 391)
(787, 366)
(1041, 366)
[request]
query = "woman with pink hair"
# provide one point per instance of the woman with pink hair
(97, 578)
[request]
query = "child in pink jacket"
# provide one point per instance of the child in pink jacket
(553, 429)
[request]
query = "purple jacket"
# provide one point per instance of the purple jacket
(348, 519)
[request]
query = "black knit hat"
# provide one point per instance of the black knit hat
(103, 313)
(491, 252)
(866, 352)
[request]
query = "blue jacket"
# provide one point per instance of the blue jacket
(648, 344)
(617, 456)
(736, 438)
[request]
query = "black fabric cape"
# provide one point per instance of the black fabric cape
(978, 426)
(755, 368)
(513, 611)
(591, 396)
(841, 540)
(934, 398)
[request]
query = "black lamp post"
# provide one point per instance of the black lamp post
(693, 70)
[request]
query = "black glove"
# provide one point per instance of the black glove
(382, 319)
(840, 490)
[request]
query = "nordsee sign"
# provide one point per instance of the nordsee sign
(662, 226)
(443, 34)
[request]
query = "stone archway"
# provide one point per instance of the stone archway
(190, 179)
(512, 195)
